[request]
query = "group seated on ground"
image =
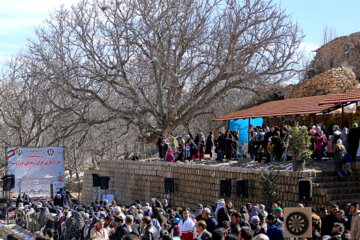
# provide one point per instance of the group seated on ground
(157, 220)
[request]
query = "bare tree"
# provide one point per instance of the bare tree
(158, 64)
(329, 34)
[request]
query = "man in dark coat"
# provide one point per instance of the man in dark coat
(328, 222)
(118, 228)
(149, 232)
(255, 225)
(210, 221)
(220, 147)
(203, 234)
(353, 140)
(128, 227)
(275, 231)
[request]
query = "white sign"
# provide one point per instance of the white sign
(35, 169)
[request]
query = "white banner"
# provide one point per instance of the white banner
(35, 169)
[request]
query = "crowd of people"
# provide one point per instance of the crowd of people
(157, 220)
(341, 145)
(189, 148)
(266, 144)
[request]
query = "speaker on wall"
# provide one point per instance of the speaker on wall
(104, 182)
(169, 185)
(305, 190)
(242, 188)
(96, 180)
(225, 187)
(8, 182)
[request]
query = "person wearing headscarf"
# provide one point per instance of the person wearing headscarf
(222, 216)
(244, 214)
(157, 214)
(220, 205)
(209, 149)
(43, 216)
(262, 210)
(197, 213)
(254, 211)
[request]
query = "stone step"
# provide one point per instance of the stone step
(344, 190)
(328, 185)
(336, 179)
(341, 196)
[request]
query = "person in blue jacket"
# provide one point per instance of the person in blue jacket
(274, 231)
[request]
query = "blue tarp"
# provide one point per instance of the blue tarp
(242, 125)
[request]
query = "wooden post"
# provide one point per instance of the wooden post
(249, 132)
(342, 115)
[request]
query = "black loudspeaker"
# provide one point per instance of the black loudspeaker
(8, 182)
(96, 180)
(225, 187)
(104, 182)
(242, 189)
(169, 185)
(305, 190)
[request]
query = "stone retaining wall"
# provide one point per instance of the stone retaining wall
(335, 80)
(194, 183)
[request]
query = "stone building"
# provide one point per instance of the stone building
(340, 52)
(335, 69)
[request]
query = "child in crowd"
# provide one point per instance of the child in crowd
(329, 147)
(170, 156)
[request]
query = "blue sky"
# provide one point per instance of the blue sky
(312, 15)
(19, 18)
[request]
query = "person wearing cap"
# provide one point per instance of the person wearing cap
(279, 214)
(341, 218)
(355, 222)
(255, 225)
(186, 225)
(202, 233)
(275, 230)
(210, 221)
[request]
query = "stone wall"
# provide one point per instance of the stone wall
(194, 183)
(335, 80)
